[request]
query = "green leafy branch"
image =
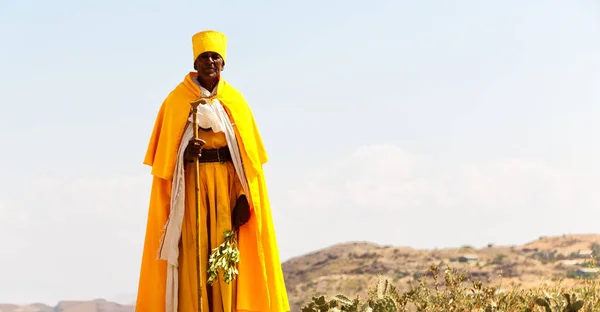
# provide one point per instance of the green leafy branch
(225, 259)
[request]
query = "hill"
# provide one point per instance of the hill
(70, 306)
(350, 268)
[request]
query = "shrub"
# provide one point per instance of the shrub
(498, 259)
(454, 292)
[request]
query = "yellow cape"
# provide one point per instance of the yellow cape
(261, 286)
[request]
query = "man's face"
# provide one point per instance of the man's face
(209, 65)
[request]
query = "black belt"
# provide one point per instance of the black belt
(215, 155)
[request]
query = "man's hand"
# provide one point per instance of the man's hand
(241, 213)
(194, 149)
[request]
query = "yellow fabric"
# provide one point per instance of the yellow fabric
(209, 40)
(260, 283)
(219, 190)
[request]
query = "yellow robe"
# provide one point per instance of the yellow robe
(260, 284)
(219, 190)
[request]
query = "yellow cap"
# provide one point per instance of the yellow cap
(209, 41)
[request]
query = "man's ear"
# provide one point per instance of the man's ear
(196, 63)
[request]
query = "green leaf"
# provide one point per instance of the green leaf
(576, 306)
(542, 302)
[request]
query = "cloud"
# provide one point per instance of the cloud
(384, 194)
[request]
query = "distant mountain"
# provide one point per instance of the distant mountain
(99, 305)
(351, 268)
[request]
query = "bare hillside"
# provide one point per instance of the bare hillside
(350, 268)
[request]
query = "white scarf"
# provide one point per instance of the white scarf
(213, 116)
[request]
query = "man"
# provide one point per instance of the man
(232, 195)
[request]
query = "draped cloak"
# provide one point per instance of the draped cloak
(260, 282)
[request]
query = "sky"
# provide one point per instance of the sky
(427, 124)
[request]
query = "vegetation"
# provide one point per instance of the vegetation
(224, 258)
(498, 259)
(453, 291)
